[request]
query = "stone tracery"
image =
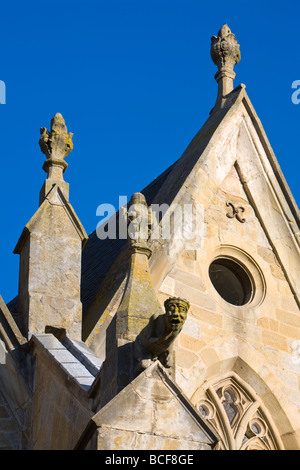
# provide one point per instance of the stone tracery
(238, 416)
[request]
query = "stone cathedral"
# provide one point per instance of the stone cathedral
(178, 335)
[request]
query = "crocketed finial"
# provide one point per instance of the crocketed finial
(225, 53)
(56, 145)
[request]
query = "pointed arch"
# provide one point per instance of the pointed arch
(238, 415)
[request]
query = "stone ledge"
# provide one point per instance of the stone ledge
(84, 354)
(71, 364)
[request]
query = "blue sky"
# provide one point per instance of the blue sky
(134, 81)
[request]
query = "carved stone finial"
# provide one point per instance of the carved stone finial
(225, 50)
(56, 145)
(225, 53)
(138, 223)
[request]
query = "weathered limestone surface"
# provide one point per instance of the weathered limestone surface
(50, 265)
(60, 406)
(265, 333)
(234, 166)
(139, 301)
(164, 418)
(10, 431)
(15, 400)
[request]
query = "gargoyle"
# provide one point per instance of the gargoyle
(156, 340)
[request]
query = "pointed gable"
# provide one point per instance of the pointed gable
(150, 413)
(232, 135)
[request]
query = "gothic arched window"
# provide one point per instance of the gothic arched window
(238, 416)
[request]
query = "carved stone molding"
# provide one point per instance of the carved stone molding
(252, 268)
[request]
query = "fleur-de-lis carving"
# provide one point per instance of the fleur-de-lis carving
(237, 212)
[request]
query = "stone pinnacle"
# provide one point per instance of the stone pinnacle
(225, 53)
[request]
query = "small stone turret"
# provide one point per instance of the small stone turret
(50, 247)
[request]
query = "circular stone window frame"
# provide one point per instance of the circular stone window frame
(251, 268)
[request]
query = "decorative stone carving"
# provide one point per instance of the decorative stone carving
(237, 212)
(155, 342)
(225, 50)
(238, 416)
(138, 220)
(225, 53)
(56, 145)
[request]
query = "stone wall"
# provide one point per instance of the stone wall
(265, 334)
(151, 413)
(10, 432)
(60, 406)
(258, 341)
(15, 401)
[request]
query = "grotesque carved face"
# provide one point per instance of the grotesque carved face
(176, 311)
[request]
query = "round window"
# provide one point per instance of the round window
(231, 281)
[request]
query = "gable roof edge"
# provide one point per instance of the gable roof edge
(156, 367)
(272, 158)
